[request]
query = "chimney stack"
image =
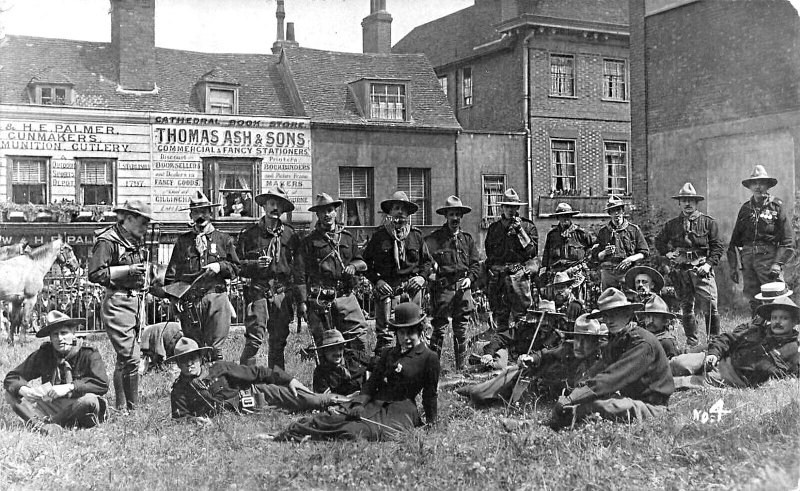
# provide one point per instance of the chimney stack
(377, 29)
(133, 43)
(283, 41)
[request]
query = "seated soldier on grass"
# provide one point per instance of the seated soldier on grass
(508, 344)
(203, 391)
(553, 369)
(655, 318)
(563, 288)
(632, 381)
(73, 376)
(747, 356)
(336, 373)
(158, 344)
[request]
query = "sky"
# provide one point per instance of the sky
(224, 26)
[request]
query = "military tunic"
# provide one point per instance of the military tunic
(565, 248)
(320, 281)
(210, 292)
(456, 258)
(764, 235)
(627, 240)
(121, 309)
(268, 296)
(86, 371)
(509, 289)
(343, 379)
(695, 239)
(413, 260)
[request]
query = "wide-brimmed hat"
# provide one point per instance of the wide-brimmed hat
(614, 201)
(586, 326)
(407, 314)
(688, 192)
(56, 320)
(402, 198)
(630, 277)
(511, 198)
(324, 199)
(332, 337)
(564, 210)
(136, 207)
(561, 278)
(185, 347)
(613, 299)
(277, 193)
(453, 203)
(783, 303)
(759, 174)
(772, 291)
(656, 305)
(199, 200)
(545, 307)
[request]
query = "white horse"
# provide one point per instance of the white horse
(21, 279)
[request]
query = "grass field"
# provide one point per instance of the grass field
(755, 446)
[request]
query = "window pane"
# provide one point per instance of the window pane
(443, 84)
(467, 85)
(221, 101)
(614, 80)
(493, 189)
(416, 184)
(234, 186)
(616, 159)
(564, 170)
(562, 75)
(387, 101)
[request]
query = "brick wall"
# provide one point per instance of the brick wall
(638, 103)
(133, 41)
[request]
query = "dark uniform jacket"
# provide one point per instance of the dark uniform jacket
(217, 388)
(342, 379)
(756, 354)
(668, 342)
(401, 377)
(321, 259)
(518, 339)
(628, 240)
(88, 370)
(114, 246)
(764, 224)
(557, 368)
(633, 364)
(455, 255)
(379, 256)
(565, 248)
(701, 238)
(502, 248)
(186, 263)
(257, 240)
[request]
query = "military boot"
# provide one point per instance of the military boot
(435, 343)
(713, 326)
(690, 329)
(119, 391)
(130, 383)
(460, 349)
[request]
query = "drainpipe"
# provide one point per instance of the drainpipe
(455, 162)
(526, 104)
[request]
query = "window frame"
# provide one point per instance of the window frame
(80, 162)
(443, 82)
(627, 165)
(369, 102)
(467, 89)
(425, 206)
(554, 176)
(11, 159)
(369, 199)
(485, 216)
(209, 88)
(38, 96)
(574, 91)
(212, 188)
(605, 81)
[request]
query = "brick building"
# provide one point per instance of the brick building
(553, 71)
(715, 91)
(89, 124)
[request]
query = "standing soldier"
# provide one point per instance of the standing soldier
(397, 263)
(266, 250)
(511, 247)
(458, 264)
(763, 235)
(619, 245)
(565, 248)
(324, 272)
(117, 264)
(204, 257)
(691, 243)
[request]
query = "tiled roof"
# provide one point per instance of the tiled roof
(50, 76)
(91, 68)
(218, 75)
(454, 37)
(322, 79)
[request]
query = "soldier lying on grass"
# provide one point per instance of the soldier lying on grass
(748, 356)
(552, 369)
(339, 372)
(202, 391)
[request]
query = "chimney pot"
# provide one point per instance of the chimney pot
(290, 31)
(376, 29)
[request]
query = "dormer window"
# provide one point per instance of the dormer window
(50, 88)
(382, 99)
(387, 101)
(52, 96)
(221, 100)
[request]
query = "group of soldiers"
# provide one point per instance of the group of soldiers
(316, 275)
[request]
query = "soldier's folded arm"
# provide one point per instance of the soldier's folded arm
(102, 254)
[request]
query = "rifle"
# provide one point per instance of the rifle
(522, 383)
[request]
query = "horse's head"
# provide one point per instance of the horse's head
(66, 257)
